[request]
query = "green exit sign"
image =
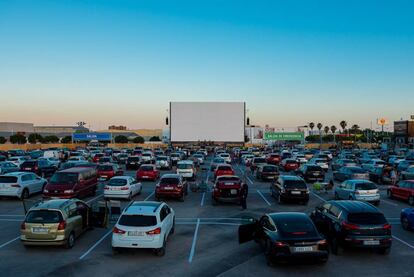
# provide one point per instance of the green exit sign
(284, 136)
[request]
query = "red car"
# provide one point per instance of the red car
(227, 189)
(97, 157)
(404, 190)
(273, 158)
(148, 172)
(171, 185)
(223, 169)
(289, 164)
(107, 171)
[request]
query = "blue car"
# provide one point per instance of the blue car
(407, 218)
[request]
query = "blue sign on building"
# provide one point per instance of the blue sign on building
(92, 136)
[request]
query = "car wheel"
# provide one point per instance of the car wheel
(411, 201)
(130, 196)
(70, 242)
(43, 187)
(384, 251)
(161, 251)
(25, 194)
(140, 190)
(173, 227)
(268, 253)
(279, 199)
(405, 223)
(389, 194)
(335, 247)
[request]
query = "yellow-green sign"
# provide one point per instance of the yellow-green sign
(284, 136)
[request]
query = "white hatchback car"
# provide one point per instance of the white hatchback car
(144, 224)
(21, 184)
(122, 187)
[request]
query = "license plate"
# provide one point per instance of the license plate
(145, 177)
(40, 230)
(27, 168)
(295, 192)
(315, 174)
(371, 242)
(233, 191)
(168, 188)
(303, 249)
(135, 233)
(229, 184)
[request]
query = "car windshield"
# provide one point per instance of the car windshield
(8, 179)
(105, 167)
(64, 177)
(138, 220)
(43, 216)
(167, 180)
(29, 163)
(184, 166)
(295, 184)
(269, 169)
(291, 227)
(228, 179)
(115, 182)
(365, 186)
(146, 168)
(367, 218)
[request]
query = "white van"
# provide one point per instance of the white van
(51, 154)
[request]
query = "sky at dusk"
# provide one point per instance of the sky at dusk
(122, 62)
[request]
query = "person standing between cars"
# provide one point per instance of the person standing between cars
(393, 176)
(243, 195)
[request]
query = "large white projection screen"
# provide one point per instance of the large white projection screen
(207, 121)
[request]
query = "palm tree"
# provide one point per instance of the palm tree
(355, 129)
(311, 126)
(319, 126)
(343, 125)
(333, 130)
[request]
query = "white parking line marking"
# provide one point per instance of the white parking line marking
(11, 215)
(320, 198)
(10, 241)
(93, 199)
(389, 203)
(95, 245)
(149, 196)
(403, 242)
(251, 182)
(190, 258)
(264, 198)
(202, 199)
(10, 219)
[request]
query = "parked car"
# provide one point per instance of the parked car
(289, 164)
(108, 170)
(40, 167)
(7, 167)
(322, 162)
(133, 162)
(53, 161)
(171, 185)
(71, 164)
(267, 172)
(407, 218)
(18, 160)
(290, 188)
(186, 169)
(163, 162)
(357, 224)
(408, 174)
(97, 157)
(21, 184)
(350, 173)
(144, 225)
(337, 164)
(361, 190)
(311, 173)
(75, 182)
(222, 170)
(122, 158)
(148, 172)
(56, 222)
(215, 162)
(175, 157)
(403, 190)
(258, 161)
(122, 187)
(286, 235)
(105, 160)
(226, 189)
(273, 158)
(147, 157)
(404, 165)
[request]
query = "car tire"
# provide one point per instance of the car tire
(43, 187)
(140, 191)
(405, 223)
(279, 199)
(335, 247)
(70, 242)
(25, 194)
(411, 200)
(384, 251)
(173, 227)
(130, 196)
(116, 250)
(161, 251)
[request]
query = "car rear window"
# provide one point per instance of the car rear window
(162, 158)
(259, 160)
(291, 161)
(356, 170)
(117, 182)
(224, 167)
(166, 180)
(146, 168)
(228, 179)
(30, 163)
(295, 184)
(365, 186)
(269, 169)
(133, 159)
(8, 179)
(138, 220)
(105, 167)
(64, 177)
(184, 166)
(292, 227)
(314, 168)
(367, 218)
(43, 216)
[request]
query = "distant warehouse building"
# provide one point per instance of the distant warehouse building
(404, 132)
(10, 128)
(59, 131)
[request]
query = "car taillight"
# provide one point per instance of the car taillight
(179, 186)
(280, 244)
(36, 168)
(15, 185)
(357, 192)
(105, 188)
(323, 242)
(386, 226)
(157, 185)
(154, 232)
(298, 233)
(116, 230)
(23, 226)
(62, 225)
(349, 226)
(124, 188)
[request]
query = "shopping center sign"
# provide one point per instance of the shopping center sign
(284, 136)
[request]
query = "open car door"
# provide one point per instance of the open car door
(247, 232)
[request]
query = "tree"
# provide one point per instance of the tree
(155, 138)
(67, 139)
(138, 139)
(333, 130)
(343, 125)
(311, 126)
(319, 126)
(51, 139)
(18, 138)
(34, 138)
(3, 140)
(121, 139)
(355, 128)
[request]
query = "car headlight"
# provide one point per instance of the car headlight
(45, 191)
(68, 191)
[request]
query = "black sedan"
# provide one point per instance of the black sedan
(285, 236)
(350, 173)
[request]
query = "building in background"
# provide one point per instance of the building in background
(120, 128)
(404, 132)
(10, 128)
(131, 134)
(59, 131)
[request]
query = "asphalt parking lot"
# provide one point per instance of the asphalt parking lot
(205, 242)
